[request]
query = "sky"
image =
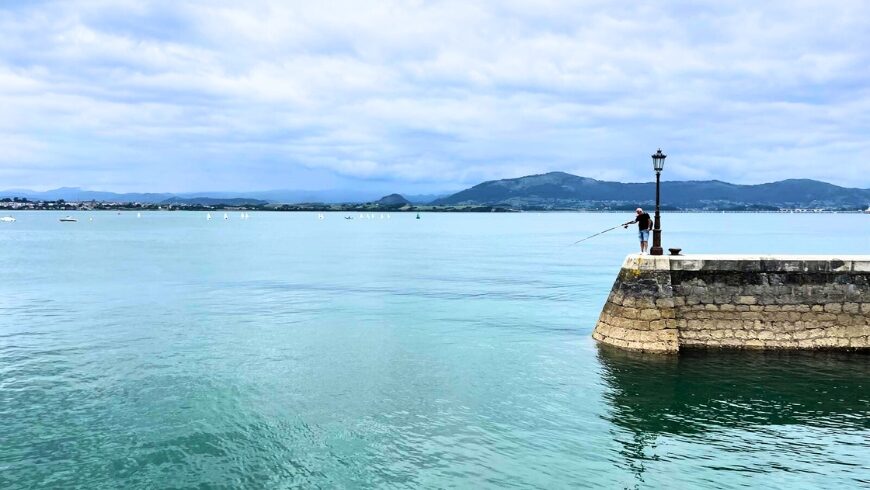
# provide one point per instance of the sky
(429, 96)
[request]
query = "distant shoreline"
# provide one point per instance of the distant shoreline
(415, 209)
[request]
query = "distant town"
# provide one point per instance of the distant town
(24, 204)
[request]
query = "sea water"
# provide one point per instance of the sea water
(450, 351)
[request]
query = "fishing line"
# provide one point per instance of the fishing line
(599, 233)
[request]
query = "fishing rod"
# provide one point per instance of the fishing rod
(601, 233)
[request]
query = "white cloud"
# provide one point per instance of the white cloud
(434, 93)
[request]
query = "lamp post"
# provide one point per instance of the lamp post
(658, 165)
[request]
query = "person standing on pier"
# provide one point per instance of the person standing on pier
(644, 225)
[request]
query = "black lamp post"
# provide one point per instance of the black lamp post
(658, 165)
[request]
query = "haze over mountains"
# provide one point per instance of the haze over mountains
(76, 194)
(553, 190)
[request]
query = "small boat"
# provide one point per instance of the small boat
(68, 219)
(226, 216)
(418, 215)
(348, 217)
(7, 219)
(207, 216)
(320, 216)
(241, 215)
(867, 211)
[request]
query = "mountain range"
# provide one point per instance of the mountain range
(560, 190)
(76, 194)
(549, 191)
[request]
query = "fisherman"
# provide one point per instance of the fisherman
(644, 225)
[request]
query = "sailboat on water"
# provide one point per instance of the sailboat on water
(226, 216)
(207, 216)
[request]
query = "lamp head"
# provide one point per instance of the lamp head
(659, 160)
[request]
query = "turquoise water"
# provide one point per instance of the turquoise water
(451, 351)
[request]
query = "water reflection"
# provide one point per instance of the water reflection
(653, 397)
(698, 390)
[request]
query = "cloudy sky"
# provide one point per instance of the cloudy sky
(428, 96)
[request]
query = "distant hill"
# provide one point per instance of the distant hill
(396, 200)
(560, 190)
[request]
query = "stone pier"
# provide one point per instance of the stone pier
(665, 303)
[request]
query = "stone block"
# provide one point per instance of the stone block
(696, 325)
(825, 342)
(861, 266)
(853, 308)
(645, 302)
(622, 312)
(649, 314)
(833, 308)
(824, 317)
(686, 264)
(844, 319)
(859, 343)
(853, 331)
(805, 344)
(665, 303)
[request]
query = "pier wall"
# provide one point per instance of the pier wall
(665, 303)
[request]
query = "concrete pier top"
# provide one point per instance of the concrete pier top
(749, 263)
